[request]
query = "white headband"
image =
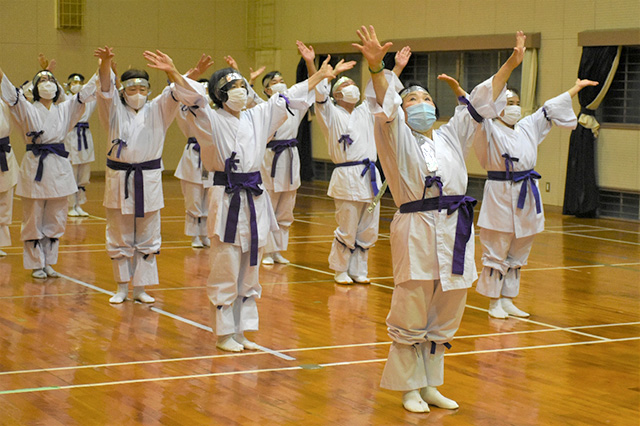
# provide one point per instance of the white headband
(411, 89)
(135, 82)
(340, 81)
(511, 94)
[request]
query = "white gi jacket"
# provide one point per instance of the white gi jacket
(9, 178)
(499, 210)
(220, 134)
(190, 167)
(144, 133)
(84, 155)
(422, 243)
(57, 178)
(347, 183)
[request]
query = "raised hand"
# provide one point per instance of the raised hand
(160, 61)
(43, 61)
(370, 48)
(307, 53)
(255, 74)
(103, 53)
(232, 62)
(343, 66)
(402, 56)
(201, 67)
(453, 84)
(326, 70)
(52, 65)
(518, 51)
(581, 84)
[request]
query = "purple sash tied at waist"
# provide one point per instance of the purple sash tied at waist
(5, 148)
(464, 205)
(196, 148)
(526, 176)
(119, 143)
(278, 146)
(234, 183)
(508, 164)
(81, 132)
(369, 166)
(42, 150)
(429, 181)
(138, 179)
(345, 140)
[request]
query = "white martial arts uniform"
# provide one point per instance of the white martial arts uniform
(44, 214)
(195, 182)
(507, 230)
(8, 177)
(350, 186)
(428, 298)
(79, 144)
(133, 238)
(237, 145)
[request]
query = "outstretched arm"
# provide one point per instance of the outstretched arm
(453, 84)
(161, 61)
(374, 52)
(503, 74)
(581, 84)
(104, 54)
(326, 71)
(309, 56)
(402, 58)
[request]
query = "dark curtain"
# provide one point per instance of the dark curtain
(304, 132)
(581, 191)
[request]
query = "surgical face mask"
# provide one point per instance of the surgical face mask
(75, 88)
(278, 88)
(350, 94)
(512, 114)
(47, 90)
(420, 117)
(237, 99)
(136, 101)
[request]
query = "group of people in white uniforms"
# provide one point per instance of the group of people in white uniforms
(8, 177)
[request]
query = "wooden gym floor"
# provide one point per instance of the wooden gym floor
(67, 357)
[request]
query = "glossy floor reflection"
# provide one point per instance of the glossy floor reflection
(67, 357)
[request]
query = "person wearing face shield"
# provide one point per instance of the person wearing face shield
(79, 144)
(195, 181)
(133, 193)
(233, 141)
(511, 213)
(432, 242)
(46, 176)
(355, 181)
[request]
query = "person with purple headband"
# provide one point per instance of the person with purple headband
(233, 141)
(79, 143)
(511, 213)
(432, 242)
(133, 181)
(355, 181)
(8, 177)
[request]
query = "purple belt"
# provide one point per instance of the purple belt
(526, 176)
(138, 179)
(234, 183)
(42, 150)
(5, 148)
(196, 148)
(81, 131)
(369, 166)
(464, 205)
(278, 146)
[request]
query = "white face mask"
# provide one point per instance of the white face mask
(278, 88)
(236, 99)
(350, 94)
(47, 90)
(512, 114)
(136, 101)
(75, 88)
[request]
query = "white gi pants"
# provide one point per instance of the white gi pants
(421, 319)
(132, 244)
(356, 233)
(196, 205)
(43, 223)
(233, 287)
(283, 204)
(502, 257)
(6, 212)
(82, 174)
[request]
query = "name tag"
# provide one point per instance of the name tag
(429, 157)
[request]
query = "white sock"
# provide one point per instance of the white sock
(361, 279)
(343, 278)
(205, 241)
(432, 396)
(39, 273)
(278, 258)
(227, 343)
(511, 309)
(141, 296)
(248, 344)
(496, 311)
(196, 243)
(267, 259)
(50, 272)
(121, 294)
(412, 401)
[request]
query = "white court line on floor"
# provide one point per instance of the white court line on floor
(282, 369)
(631, 243)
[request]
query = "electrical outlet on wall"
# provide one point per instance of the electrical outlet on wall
(548, 186)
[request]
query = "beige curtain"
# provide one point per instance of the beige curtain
(529, 82)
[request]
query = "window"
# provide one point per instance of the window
(621, 104)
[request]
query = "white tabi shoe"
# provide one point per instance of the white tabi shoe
(343, 278)
(50, 272)
(142, 296)
(412, 401)
(432, 396)
(278, 258)
(362, 279)
(511, 309)
(196, 243)
(39, 274)
(248, 344)
(81, 212)
(205, 241)
(227, 343)
(496, 311)
(267, 259)
(73, 212)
